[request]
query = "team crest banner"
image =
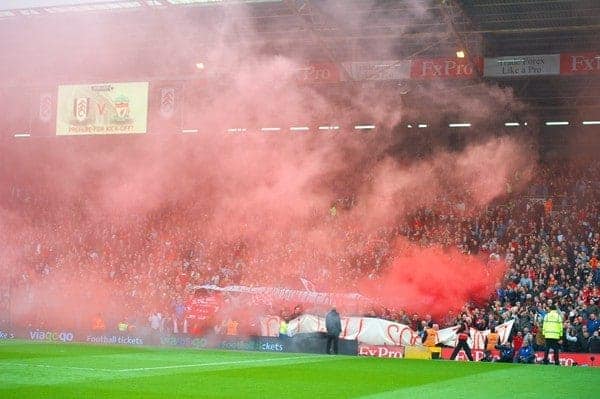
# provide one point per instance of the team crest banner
(107, 108)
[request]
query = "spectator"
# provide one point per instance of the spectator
(571, 343)
(156, 326)
(507, 353)
(593, 324)
(584, 342)
(492, 340)
(517, 341)
(525, 355)
(527, 338)
(594, 342)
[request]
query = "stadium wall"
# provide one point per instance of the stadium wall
(300, 343)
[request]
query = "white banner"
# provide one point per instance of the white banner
(372, 331)
(378, 70)
(522, 65)
(320, 298)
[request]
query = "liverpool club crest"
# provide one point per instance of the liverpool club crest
(122, 109)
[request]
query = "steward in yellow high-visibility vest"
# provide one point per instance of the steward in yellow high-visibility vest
(553, 331)
(123, 326)
(283, 328)
(553, 324)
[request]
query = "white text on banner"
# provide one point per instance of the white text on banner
(522, 65)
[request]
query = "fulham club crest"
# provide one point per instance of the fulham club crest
(45, 113)
(81, 109)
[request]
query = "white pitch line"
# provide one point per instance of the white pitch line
(176, 366)
(55, 366)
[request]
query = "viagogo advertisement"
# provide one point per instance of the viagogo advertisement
(105, 108)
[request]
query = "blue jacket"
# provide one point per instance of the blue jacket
(526, 352)
(506, 353)
(593, 325)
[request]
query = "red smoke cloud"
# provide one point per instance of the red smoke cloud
(433, 280)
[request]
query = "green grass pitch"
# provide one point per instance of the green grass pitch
(40, 370)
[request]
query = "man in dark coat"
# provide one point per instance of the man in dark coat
(333, 324)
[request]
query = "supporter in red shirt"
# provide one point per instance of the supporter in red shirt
(517, 341)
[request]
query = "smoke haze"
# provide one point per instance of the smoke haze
(86, 217)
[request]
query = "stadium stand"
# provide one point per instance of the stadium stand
(131, 265)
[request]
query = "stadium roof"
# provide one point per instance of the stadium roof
(13, 8)
(323, 29)
(495, 27)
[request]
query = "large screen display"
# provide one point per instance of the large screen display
(106, 108)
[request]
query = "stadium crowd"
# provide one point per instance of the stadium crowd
(549, 238)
